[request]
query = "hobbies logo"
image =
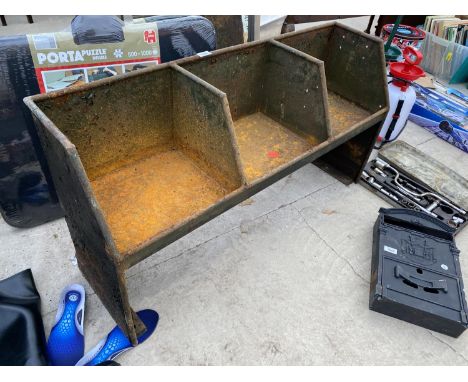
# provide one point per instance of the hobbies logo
(150, 36)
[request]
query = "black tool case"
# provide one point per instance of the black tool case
(415, 274)
(422, 174)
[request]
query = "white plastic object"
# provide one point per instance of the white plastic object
(395, 94)
(401, 95)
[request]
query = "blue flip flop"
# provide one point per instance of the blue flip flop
(65, 345)
(115, 343)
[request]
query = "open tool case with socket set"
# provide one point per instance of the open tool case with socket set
(141, 160)
(415, 272)
(406, 177)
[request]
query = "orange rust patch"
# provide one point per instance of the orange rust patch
(258, 136)
(96, 172)
(147, 197)
(343, 113)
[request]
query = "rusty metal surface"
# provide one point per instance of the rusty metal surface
(257, 77)
(344, 114)
(265, 145)
(312, 41)
(353, 62)
(278, 113)
(295, 92)
(236, 72)
(354, 70)
(143, 159)
(149, 196)
(202, 128)
(168, 169)
(97, 256)
(111, 125)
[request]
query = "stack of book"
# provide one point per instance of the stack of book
(451, 28)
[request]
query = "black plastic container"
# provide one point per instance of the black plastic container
(416, 274)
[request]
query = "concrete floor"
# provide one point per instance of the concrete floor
(282, 279)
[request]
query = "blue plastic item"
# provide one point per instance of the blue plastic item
(65, 345)
(455, 92)
(115, 343)
(441, 116)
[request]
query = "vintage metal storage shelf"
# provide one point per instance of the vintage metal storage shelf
(140, 160)
(357, 90)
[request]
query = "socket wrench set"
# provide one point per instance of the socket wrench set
(401, 190)
(392, 182)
